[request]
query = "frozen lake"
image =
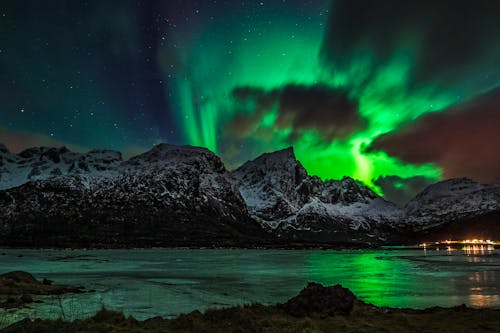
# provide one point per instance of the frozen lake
(167, 282)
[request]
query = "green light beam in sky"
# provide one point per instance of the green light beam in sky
(272, 56)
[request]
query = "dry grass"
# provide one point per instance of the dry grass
(259, 318)
(256, 318)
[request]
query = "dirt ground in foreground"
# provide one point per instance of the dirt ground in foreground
(259, 318)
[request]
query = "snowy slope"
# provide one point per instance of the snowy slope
(184, 195)
(451, 200)
(42, 163)
(281, 195)
(170, 195)
(283, 198)
(269, 185)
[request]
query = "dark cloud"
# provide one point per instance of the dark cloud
(401, 190)
(328, 111)
(252, 103)
(451, 41)
(463, 139)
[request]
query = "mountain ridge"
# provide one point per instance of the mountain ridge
(184, 195)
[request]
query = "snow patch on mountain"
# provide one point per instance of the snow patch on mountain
(192, 183)
(451, 199)
(42, 163)
(279, 194)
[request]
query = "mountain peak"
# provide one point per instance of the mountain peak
(283, 154)
(282, 161)
(167, 155)
(166, 150)
(169, 147)
(455, 198)
(451, 187)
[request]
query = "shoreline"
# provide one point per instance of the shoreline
(365, 312)
(293, 246)
(310, 311)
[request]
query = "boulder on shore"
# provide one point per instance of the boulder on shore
(17, 288)
(315, 299)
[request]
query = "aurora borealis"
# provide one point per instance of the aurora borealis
(396, 94)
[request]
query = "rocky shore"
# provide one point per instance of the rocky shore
(18, 289)
(315, 309)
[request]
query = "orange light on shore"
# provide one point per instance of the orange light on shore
(473, 245)
(478, 241)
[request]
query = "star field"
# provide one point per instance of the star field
(354, 86)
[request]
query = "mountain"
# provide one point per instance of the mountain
(184, 196)
(40, 163)
(286, 200)
(455, 209)
(168, 196)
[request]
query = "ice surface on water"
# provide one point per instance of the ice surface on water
(167, 282)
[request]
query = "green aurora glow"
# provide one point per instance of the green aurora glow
(398, 94)
(218, 61)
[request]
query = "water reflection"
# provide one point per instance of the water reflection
(448, 276)
(483, 289)
(483, 277)
(168, 282)
(478, 249)
(480, 285)
(375, 277)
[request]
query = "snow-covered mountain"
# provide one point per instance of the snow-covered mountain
(183, 195)
(455, 209)
(285, 199)
(449, 200)
(41, 163)
(170, 195)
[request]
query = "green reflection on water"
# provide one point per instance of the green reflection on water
(372, 276)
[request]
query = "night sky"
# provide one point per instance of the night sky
(397, 94)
